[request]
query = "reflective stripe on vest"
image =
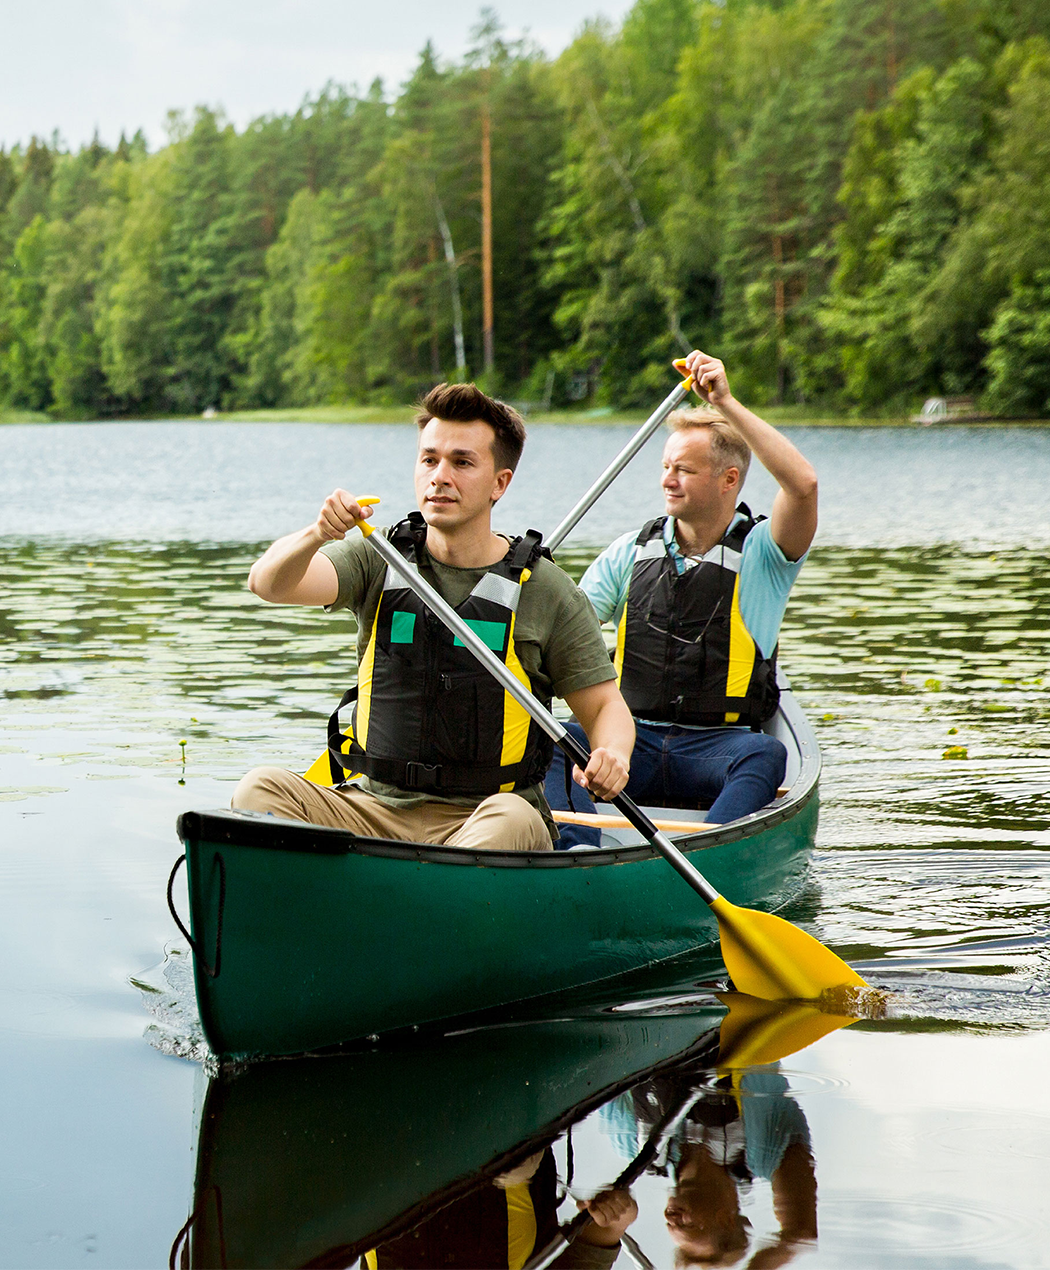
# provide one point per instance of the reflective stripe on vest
(683, 652)
(428, 716)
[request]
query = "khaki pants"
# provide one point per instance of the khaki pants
(502, 822)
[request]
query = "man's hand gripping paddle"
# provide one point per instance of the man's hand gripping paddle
(765, 955)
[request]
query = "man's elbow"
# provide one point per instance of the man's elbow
(806, 485)
(257, 584)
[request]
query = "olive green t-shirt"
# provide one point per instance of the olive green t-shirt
(556, 635)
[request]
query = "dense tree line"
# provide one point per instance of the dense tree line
(848, 199)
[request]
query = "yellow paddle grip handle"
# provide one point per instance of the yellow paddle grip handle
(367, 500)
(679, 365)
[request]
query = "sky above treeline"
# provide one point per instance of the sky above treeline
(78, 65)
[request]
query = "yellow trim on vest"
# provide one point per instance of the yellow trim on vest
(371, 1260)
(320, 771)
(741, 654)
(364, 683)
(521, 1225)
(516, 719)
(621, 640)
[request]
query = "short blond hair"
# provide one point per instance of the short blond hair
(728, 447)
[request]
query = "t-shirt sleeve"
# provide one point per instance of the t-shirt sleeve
(766, 579)
(356, 564)
(607, 578)
(574, 652)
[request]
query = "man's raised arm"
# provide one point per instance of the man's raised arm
(793, 519)
(292, 572)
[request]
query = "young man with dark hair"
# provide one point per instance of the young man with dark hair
(442, 753)
(698, 596)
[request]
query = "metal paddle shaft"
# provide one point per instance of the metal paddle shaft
(569, 745)
(669, 403)
(661, 1133)
(765, 955)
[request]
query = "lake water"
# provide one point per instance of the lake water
(918, 641)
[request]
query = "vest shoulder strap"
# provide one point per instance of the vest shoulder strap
(650, 530)
(734, 539)
(409, 536)
(526, 550)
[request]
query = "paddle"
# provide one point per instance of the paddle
(753, 1033)
(765, 955)
(669, 403)
(661, 1133)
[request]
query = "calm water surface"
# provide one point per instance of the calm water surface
(918, 640)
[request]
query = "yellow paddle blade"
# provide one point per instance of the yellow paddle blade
(756, 1032)
(769, 958)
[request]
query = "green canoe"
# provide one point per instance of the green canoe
(307, 937)
(314, 1161)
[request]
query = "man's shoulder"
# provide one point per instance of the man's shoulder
(760, 549)
(620, 551)
(551, 578)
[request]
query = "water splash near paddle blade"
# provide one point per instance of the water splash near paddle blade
(768, 957)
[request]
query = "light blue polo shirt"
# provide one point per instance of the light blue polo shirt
(766, 579)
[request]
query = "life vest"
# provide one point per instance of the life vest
(683, 653)
(427, 715)
(487, 1227)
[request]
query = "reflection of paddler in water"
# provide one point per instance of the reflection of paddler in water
(504, 1221)
(745, 1127)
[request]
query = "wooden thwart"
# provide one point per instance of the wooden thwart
(593, 821)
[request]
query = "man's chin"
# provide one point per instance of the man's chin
(441, 515)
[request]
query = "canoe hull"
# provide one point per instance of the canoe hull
(325, 938)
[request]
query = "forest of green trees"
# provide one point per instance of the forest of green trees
(847, 200)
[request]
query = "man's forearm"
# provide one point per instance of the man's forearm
(278, 573)
(612, 729)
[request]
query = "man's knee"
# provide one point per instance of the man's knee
(770, 755)
(505, 822)
(266, 789)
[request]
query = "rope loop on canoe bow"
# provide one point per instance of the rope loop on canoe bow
(211, 971)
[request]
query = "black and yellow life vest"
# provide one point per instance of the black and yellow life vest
(683, 653)
(427, 716)
(489, 1226)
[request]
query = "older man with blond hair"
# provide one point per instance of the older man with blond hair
(698, 596)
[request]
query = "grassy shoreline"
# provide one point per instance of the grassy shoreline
(780, 416)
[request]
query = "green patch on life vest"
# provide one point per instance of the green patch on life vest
(492, 634)
(402, 626)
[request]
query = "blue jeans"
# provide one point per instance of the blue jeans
(734, 770)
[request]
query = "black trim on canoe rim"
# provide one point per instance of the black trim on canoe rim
(254, 829)
(261, 829)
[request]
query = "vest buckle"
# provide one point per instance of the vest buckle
(420, 775)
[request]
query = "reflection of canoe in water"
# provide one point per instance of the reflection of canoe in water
(317, 1160)
(313, 936)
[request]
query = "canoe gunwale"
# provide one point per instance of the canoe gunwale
(236, 829)
(261, 830)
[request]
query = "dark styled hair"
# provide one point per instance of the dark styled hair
(466, 403)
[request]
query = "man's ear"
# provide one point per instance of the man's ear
(731, 479)
(499, 485)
